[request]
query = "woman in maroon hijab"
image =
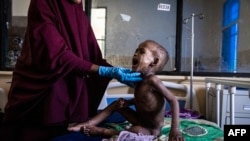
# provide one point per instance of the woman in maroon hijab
(60, 76)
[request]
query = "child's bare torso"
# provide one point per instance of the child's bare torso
(150, 105)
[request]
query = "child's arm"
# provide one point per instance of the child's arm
(175, 133)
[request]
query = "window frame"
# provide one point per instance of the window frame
(177, 71)
(178, 48)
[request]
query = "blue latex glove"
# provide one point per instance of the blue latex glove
(124, 75)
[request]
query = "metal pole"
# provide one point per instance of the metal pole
(192, 62)
(201, 16)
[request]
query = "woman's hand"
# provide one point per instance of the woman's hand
(124, 75)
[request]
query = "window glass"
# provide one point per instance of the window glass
(230, 36)
(221, 38)
(130, 22)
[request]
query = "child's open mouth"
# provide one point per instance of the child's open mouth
(134, 63)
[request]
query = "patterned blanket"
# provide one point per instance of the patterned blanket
(192, 130)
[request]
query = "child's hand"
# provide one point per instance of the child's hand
(122, 103)
(175, 135)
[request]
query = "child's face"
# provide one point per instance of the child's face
(142, 59)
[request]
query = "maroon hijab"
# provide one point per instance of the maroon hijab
(51, 81)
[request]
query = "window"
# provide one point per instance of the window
(98, 22)
(230, 35)
(221, 41)
(130, 22)
(221, 38)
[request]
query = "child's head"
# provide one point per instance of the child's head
(150, 56)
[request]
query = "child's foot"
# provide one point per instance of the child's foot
(91, 130)
(78, 127)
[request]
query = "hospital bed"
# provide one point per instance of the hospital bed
(193, 125)
(181, 91)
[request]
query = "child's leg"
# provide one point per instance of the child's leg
(99, 131)
(98, 118)
(130, 115)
